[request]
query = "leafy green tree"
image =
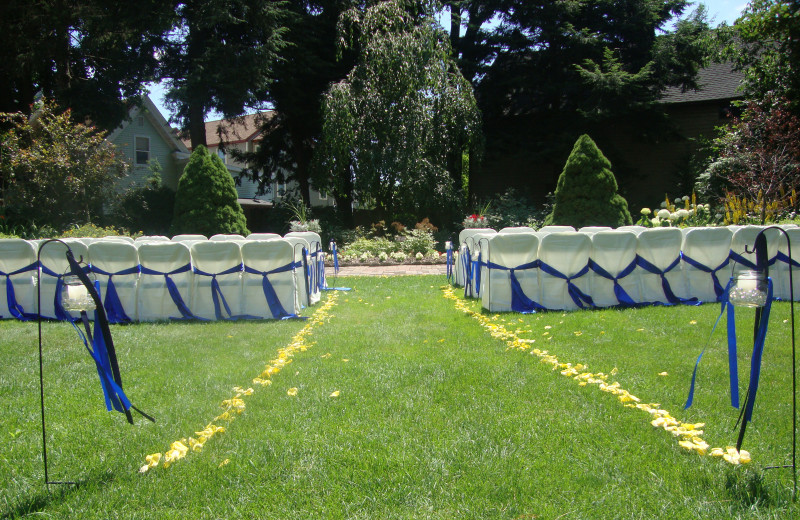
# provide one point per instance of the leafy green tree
(310, 63)
(149, 208)
(55, 172)
(395, 129)
(586, 194)
(88, 55)
(765, 44)
(220, 57)
(205, 201)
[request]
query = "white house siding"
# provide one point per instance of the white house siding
(159, 149)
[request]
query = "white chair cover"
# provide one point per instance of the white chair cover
(190, 238)
(476, 244)
(165, 282)
(308, 294)
(591, 230)
(614, 277)
(744, 239)
(782, 266)
(54, 266)
(115, 265)
(151, 238)
(518, 229)
(269, 282)
(223, 237)
(556, 229)
(563, 280)
(217, 288)
(463, 261)
(660, 274)
(263, 236)
(316, 259)
(18, 278)
(117, 237)
(705, 262)
(632, 229)
(511, 279)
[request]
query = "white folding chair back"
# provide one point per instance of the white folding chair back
(18, 268)
(782, 269)
(633, 229)
(165, 282)
(709, 247)
(116, 263)
(517, 229)
(224, 237)
(316, 260)
(661, 249)
(307, 294)
(53, 267)
(556, 229)
(151, 238)
(118, 237)
(265, 293)
(614, 254)
(744, 239)
(591, 230)
(263, 236)
(463, 262)
(188, 237)
(476, 244)
(568, 254)
(510, 251)
(217, 261)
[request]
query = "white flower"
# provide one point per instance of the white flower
(382, 256)
(364, 257)
(673, 216)
(682, 213)
(663, 203)
(718, 216)
(419, 256)
(655, 221)
(663, 213)
(646, 211)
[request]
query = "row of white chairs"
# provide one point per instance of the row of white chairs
(519, 269)
(150, 280)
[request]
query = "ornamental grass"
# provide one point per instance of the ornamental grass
(400, 399)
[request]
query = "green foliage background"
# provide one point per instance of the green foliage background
(586, 194)
(205, 202)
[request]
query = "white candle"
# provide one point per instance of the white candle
(747, 284)
(448, 245)
(77, 293)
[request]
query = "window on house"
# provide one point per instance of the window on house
(142, 147)
(221, 154)
(140, 121)
(323, 195)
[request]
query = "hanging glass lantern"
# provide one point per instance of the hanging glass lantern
(75, 296)
(748, 289)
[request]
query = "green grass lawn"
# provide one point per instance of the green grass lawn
(434, 417)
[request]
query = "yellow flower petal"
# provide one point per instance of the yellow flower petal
(335, 394)
(663, 374)
(292, 391)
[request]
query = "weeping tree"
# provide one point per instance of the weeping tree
(586, 194)
(396, 128)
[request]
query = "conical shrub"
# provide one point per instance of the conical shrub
(586, 193)
(205, 201)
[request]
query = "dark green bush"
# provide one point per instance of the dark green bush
(586, 193)
(205, 202)
(148, 209)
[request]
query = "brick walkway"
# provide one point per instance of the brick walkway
(387, 270)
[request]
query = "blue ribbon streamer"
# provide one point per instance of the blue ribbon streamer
(217, 296)
(115, 311)
(520, 302)
(758, 351)
(718, 289)
(273, 302)
(174, 293)
(670, 296)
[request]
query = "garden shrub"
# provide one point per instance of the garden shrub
(95, 231)
(509, 209)
(586, 193)
(149, 208)
(205, 202)
(419, 241)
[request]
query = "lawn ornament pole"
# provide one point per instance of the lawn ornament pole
(75, 292)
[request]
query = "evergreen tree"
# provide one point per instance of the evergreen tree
(586, 194)
(205, 201)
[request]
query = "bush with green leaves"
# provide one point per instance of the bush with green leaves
(205, 202)
(148, 208)
(586, 193)
(509, 209)
(418, 241)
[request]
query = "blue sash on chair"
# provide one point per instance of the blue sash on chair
(174, 293)
(671, 298)
(623, 298)
(581, 299)
(217, 296)
(718, 289)
(14, 307)
(274, 303)
(114, 309)
(520, 302)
